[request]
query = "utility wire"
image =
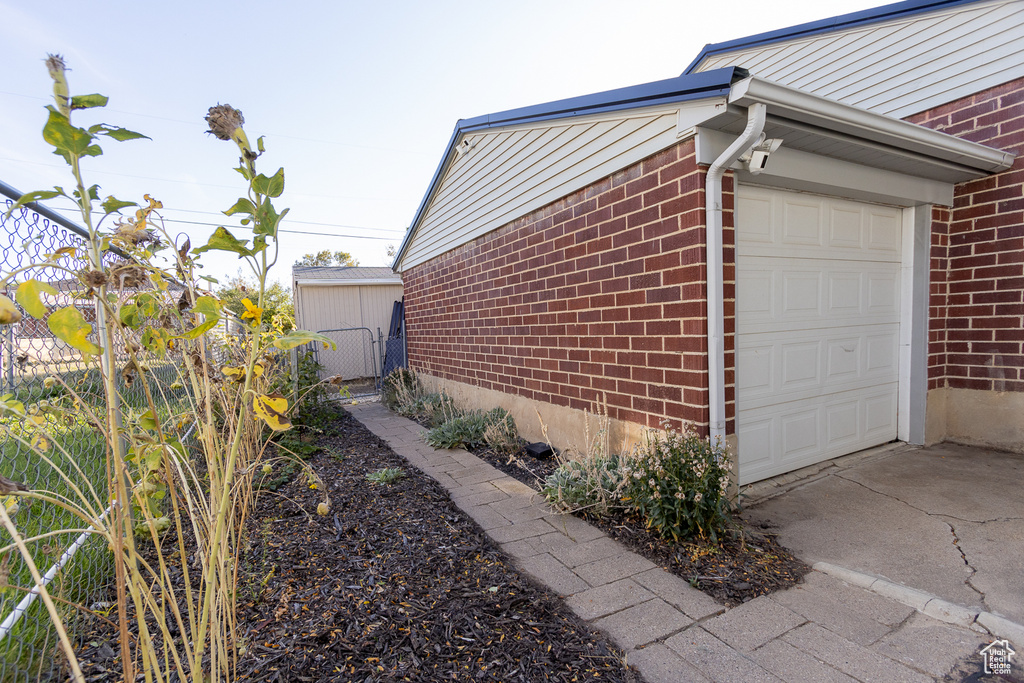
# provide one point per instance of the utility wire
(293, 232)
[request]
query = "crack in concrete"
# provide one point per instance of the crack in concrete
(969, 580)
(956, 539)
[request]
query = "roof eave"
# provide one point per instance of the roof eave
(786, 102)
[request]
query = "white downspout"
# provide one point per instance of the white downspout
(716, 291)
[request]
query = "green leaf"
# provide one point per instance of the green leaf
(111, 204)
(223, 240)
(155, 456)
(67, 139)
(243, 205)
(271, 187)
(155, 341)
(119, 134)
(88, 101)
(131, 317)
(300, 337)
(69, 325)
(147, 420)
(149, 304)
(33, 197)
(266, 219)
(28, 295)
(208, 306)
(92, 151)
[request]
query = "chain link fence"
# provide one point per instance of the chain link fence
(29, 356)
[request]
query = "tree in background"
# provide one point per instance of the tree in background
(277, 299)
(328, 258)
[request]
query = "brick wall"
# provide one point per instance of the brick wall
(977, 294)
(598, 294)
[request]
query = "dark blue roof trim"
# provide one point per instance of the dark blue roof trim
(680, 89)
(843, 21)
(685, 87)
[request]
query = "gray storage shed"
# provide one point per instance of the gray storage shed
(357, 299)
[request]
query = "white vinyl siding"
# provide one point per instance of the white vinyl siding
(509, 172)
(817, 328)
(899, 67)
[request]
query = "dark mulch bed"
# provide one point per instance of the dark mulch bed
(396, 584)
(393, 584)
(746, 563)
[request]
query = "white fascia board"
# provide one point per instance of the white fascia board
(343, 283)
(786, 102)
(796, 170)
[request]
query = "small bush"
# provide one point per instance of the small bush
(473, 429)
(594, 484)
(464, 431)
(434, 409)
(400, 387)
(385, 475)
(678, 482)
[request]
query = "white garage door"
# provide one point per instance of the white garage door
(817, 328)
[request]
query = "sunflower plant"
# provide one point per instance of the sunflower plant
(180, 449)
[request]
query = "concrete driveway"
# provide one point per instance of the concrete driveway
(946, 519)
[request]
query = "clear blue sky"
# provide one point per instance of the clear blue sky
(357, 100)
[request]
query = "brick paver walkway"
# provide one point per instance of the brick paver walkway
(822, 630)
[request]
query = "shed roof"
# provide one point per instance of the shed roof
(344, 275)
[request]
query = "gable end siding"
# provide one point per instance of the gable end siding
(976, 325)
(599, 294)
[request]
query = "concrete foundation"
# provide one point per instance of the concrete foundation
(566, 429)
(994, 419)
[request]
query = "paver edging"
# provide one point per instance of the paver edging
(928, 604)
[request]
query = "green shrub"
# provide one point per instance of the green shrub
(433, 409)
(456, 429)
(385, 475)
(678, 482)
(464, 431)
(593, 483)
(400, 387)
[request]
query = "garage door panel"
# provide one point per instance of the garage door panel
(802, 433)
(800, 225)
(884, 231)
(817, 344)
(775, 367)
(775, 293)
(847, 227)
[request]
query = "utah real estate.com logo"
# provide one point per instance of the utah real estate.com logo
(997, 657)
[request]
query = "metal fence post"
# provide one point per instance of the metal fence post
(9, 358)
(295, 375)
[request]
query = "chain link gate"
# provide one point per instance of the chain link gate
(357, 359)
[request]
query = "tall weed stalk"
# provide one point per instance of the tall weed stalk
(180, 459)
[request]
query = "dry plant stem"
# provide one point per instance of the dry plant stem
(44, 594)
(114, 443)
(217, 559)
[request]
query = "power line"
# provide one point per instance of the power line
(194, 182)
(293, 232)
